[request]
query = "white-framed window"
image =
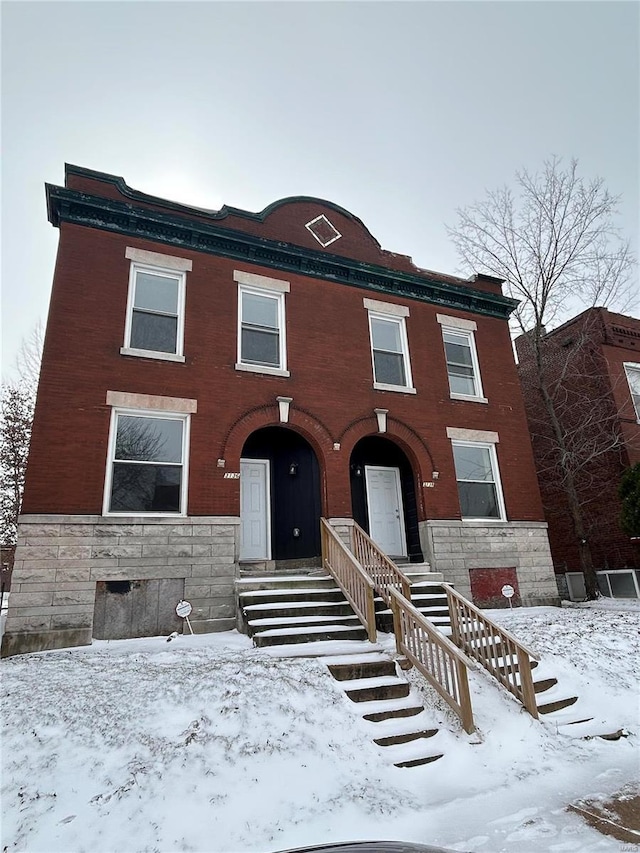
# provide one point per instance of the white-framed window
(389, 346)
(262, 333)
(633, 378)
(147, 466)
(477, 475)
(154, 326)
(461, 356)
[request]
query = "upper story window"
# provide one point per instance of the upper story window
(476, 464)
(633, 377)
(462, 359)
(154, 326)
(262, 345)
(389, 346)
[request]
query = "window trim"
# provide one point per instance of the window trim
(158, 414)
(269, 288)
(399, 318)
(138, 264)
(489, 445)
(466, 329)
(634, 367)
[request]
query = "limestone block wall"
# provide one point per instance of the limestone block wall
(454, 547)
(342, 528)
(59, 559)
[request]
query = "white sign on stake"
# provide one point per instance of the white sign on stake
(183, 609)
(508, 591)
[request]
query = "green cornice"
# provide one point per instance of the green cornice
(66, 205)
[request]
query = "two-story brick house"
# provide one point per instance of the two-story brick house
(215, 382)
(594, 359)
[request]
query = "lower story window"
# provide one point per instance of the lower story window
(147, 464)
(478, 480)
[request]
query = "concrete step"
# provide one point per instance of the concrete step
(376, 689)
(257, 626)
(416, 762)
(556, 705)
(413, 753)
(392, 740)
(290, 594)
(544, 684)
(286, 636)
(292, 610)
(362, 669)
(376, 711)
(323, 648)
(250, 583)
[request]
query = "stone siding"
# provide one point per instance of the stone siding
(455, 547)
(59, 559)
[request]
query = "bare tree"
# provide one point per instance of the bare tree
(28, 361)
(15, 434)
(554, 241)
(17, 403)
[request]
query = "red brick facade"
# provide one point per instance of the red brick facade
(596, 344)
(330, 384)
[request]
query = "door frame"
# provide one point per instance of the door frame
(396, 470)
(267, 489)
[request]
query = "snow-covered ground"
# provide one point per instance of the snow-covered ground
(206, 744)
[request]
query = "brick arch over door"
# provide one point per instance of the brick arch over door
(300, 421)
(416, 450)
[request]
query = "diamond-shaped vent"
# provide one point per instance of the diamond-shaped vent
(323, 230)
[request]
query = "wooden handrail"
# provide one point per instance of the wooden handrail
(499, 652)
(442, 664)
(348, 574)
(383, 572)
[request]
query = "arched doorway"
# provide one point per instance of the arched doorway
(383, 497)
(280, 502)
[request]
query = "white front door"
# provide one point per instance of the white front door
(255, 538)
(386, 516)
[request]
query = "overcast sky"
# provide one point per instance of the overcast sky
(399, 111)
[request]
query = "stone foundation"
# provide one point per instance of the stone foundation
(455, 547)
(60, 558)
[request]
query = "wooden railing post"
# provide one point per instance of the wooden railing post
(323, 546)
(456, 637)
(397, 627)
(465, 698)
(371, 616)
(526, 682)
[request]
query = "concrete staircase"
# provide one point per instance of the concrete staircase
(307, 615)
(288, 609)
(396, 718)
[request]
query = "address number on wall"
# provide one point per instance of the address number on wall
(231, 476)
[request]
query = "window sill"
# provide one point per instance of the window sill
(469, 398)
(259, 368)
(399, 389)
(156, 356)
(131, 514)
(483, 520)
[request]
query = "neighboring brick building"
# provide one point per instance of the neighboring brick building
(185, 348)
(598, 353)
